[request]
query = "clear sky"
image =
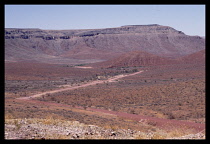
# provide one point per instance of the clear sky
(187, 18)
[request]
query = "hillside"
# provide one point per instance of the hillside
(135, 59)
(196, 58)
(95, 45)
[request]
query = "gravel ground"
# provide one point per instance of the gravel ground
(37, 129)
(58, 129)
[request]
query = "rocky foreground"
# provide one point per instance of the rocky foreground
(59, 129)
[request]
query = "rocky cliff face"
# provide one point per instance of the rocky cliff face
(98, 44)
(11, 33)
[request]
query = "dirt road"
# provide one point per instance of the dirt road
(142, 119)
(113, 79)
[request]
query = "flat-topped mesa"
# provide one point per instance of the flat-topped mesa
(98, 44)
(11, 33)
(152, 28)
(141, 25)
(138, 29)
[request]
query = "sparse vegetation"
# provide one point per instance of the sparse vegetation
(91, 89)
(168, 93)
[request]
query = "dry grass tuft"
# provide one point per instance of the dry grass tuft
(9, 116)
(181, 131)
(141, 136)
(56, 136)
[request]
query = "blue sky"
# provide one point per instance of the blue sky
(187, 18)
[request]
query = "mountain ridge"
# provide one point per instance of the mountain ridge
(98, 44)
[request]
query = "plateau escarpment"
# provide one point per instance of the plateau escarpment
(94, 45)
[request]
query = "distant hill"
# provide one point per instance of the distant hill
(197, 57)
(95, 45)
(135, 58)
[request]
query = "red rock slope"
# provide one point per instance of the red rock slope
(136, 58)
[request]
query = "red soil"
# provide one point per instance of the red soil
(159, 122)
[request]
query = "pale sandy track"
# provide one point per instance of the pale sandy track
(113, 79)
(83, 67)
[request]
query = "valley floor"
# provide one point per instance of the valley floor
(172, 93)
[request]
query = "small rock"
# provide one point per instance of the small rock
(113, 134)
(75, 136)
(86, 133)
(67, 134)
